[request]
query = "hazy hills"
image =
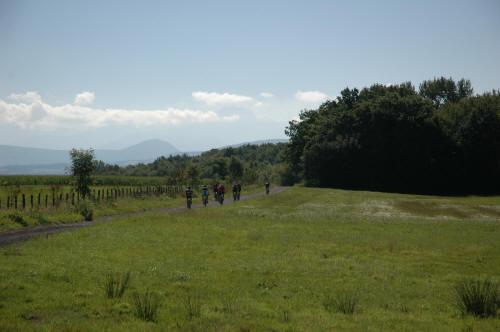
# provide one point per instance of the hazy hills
(26, 160)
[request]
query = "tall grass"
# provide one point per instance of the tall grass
(344, 302)
(192, 304)
(478, 297)
(116, 285)
(146, 306)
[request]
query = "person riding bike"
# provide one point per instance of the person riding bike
(238, 191)
(235, 192)
(204, 195)
(216, 191)
(189, 197)
(221, 190)
(267, 187)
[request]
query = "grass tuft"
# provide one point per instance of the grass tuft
(344, 302)
(192, 304)
(146, 306)
(116, 285)
(478, 297)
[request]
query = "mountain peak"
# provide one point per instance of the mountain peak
(154, 144)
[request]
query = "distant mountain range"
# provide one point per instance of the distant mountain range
(32, 161)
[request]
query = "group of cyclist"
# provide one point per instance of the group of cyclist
(219, 190)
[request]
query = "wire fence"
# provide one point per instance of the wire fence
(54, 199)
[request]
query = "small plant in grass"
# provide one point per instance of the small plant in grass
(18, 218)
(146, 306)
(192, 304)
(230, 302)
(343, 302)
(116, 285)
(86, 209)
(478, 297)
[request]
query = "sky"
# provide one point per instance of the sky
(203, 74)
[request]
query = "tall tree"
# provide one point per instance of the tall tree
(82, 166)
(235, 169)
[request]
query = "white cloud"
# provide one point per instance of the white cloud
(27, 98)
(311, 96)
(266, 94)
(214, 98)
(84, 98)
(259, 104)
(37, 114)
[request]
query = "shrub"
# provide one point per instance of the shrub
(146, 306)
(344, 302)
(18, 218)
(86, 209)
(116, 285)
(478, 297)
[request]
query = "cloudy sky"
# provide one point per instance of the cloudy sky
(201, 74)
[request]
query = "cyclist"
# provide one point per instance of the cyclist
(189, 197)
(204, 195)
(238, 187)
(216, 191)
(235, 192)
(221, 190)
(267, 187)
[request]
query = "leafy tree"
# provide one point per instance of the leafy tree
(235, 168)
(193, 174)
(82, 166)
(440, 139)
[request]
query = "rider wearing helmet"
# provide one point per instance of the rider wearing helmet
(235, 191)
(216, 190)
(204, 194)
(189, 196)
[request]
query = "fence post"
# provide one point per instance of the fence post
(46, 201)
(8, 202)
(31, 201)
(53, 199)
(39, 199)
(72, 198)
(15, 202)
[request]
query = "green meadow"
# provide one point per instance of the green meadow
(301, 260)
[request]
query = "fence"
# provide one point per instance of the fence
(45, 200)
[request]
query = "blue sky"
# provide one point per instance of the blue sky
(202, 74)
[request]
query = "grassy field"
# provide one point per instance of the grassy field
(276, 263)
(64, 212)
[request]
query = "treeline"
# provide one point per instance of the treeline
(247, 164)
(440, 138)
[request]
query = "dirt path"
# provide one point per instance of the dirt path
(24, 234)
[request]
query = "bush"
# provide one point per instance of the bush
(86, 210)
(478, 297)
(345, 302)
(146, 306)
(18, 218)
(116, 285)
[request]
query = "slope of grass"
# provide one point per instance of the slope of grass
(282, 262)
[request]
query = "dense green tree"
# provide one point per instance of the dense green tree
(441, 139)
(235, 169)
(82, 166)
